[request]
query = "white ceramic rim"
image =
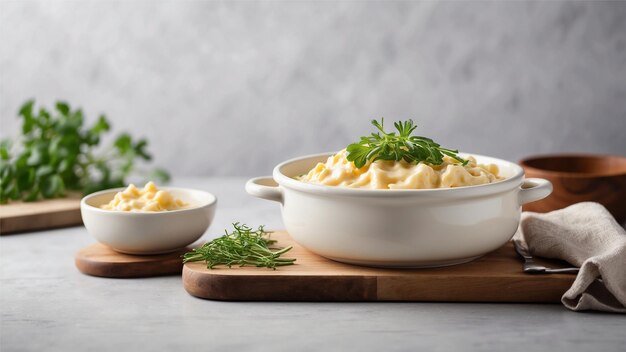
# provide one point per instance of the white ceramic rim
(484, 189)
(83, 202)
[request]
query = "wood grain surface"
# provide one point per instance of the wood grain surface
(496, 277)
(44, 214)
(580, 178)
(100, 260)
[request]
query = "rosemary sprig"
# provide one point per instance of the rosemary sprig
(242, 247)
(401, 146)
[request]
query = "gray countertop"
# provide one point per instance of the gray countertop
(46, 304)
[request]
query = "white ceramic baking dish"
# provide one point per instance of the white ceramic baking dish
(399, 228)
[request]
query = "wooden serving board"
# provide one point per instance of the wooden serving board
(43, 214)
(496, 277)
(100, 260)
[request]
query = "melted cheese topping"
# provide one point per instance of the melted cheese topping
(150, 199)
(383, 174)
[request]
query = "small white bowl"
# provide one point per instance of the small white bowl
(148, 232)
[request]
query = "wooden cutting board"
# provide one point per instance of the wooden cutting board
(496, 277)
(100, 260)
(43, 214)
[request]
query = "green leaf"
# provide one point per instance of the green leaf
(63, 108)
(26, 111)
(25, 178)
(64, 166)
(6, 174)
(52, 187)
(77, 120)
(102, 125)
(27, 108)
(123, 143)
(43, 119)
(44, 171)
(8, 191)
(5, 147)
(140, 149)
(33, 195)
(11, 191)
(35, 158)
(357, 153)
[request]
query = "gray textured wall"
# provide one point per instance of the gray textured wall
(225, 88)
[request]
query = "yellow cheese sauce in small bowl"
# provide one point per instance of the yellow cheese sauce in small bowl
(148, 199)
(149, 220)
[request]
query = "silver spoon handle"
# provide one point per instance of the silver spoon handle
(562, 271)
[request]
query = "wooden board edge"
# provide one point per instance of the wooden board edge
(532, 289)
(173, 266)
(225, 287)
(216, 286)
(26, 223)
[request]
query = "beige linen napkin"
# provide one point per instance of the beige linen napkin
(585, 235)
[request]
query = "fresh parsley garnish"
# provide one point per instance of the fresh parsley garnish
(398, 146)
(242, 247)
(56, 152)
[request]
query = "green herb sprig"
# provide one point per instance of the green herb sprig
(401, 146)
(56, 152)
(242, 247)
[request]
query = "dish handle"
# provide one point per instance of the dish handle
(264, 187)
(534, 189)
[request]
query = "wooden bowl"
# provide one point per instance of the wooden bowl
(580, 178)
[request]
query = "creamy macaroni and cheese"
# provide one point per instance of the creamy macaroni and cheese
(150, 199)
(383, 174)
